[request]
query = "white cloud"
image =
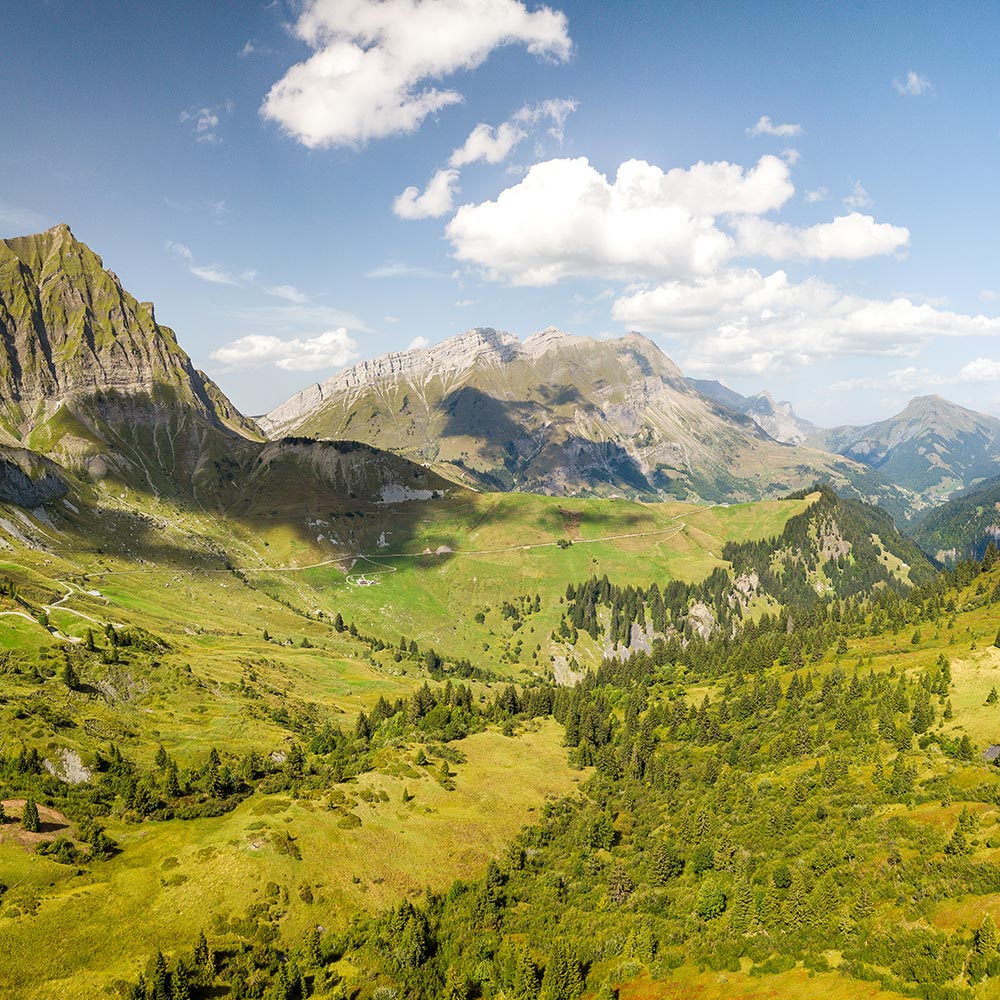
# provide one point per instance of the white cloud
(484, 144)
(913, 86)
(741, 320)
(817, 194)
(989, 295)
(207, 272)
(418, 344)
(791, 155)
(292, 317)
(847, 237)
(331, 349)
(390, 319)
(464, 303)
(436, 200)
(980, 370)
(373, 60)
(556, 110)
(566, 219)
(765, 126)
(288, 292)
(205, 120)
(218, 276)
(491, 145)
(858, 198)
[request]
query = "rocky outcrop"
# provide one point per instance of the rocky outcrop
(28, 480)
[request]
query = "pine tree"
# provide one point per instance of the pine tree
(525, 977)
(29, 817)
(986, 938)
(454, 986)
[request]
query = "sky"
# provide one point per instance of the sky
(798, 197)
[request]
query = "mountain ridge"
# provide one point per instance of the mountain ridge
(555, 413)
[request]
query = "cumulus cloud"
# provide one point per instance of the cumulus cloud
(556, 110)
(817, 194)
(375, 62)
(436, 200)
(765, 126)
(741, 320)
(989, 295)
(418, 344)
(484, 144)
(847, 237)
(331, 349)
(913, 85)
(565, 218)
(205, 120)
(490, 145)
(980, 370)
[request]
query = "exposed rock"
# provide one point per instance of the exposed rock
(556, 413)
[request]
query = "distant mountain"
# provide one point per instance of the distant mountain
(932, 448)
(557, 414)
(778, 419)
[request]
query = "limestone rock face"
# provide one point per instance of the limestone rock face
(89, 377)
(554, 413)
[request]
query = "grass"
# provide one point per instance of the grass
(173, 878)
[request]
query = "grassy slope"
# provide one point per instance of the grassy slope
(178, 875)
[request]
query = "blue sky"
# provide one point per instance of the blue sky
(794, 196)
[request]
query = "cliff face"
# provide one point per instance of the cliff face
(88, 376)
(555, 413)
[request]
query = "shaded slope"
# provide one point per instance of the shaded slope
(557, 414)
(933, 447)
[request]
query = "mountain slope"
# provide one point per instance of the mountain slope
(778, 419)
(90, 378)
(558, 414)
(963, 527)
(933, 447)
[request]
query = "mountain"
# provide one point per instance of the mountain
(557, 413)
(88, 376)
(778, 419)
(963, 526)
(932, 448)
(108, 431)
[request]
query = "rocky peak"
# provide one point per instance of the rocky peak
(69, 331)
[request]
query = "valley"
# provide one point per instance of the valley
(315, 716)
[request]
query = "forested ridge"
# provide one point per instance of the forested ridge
(767, 796)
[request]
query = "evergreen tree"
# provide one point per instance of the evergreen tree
(29, 817)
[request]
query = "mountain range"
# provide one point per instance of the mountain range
(560, 414)
(93, 387)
